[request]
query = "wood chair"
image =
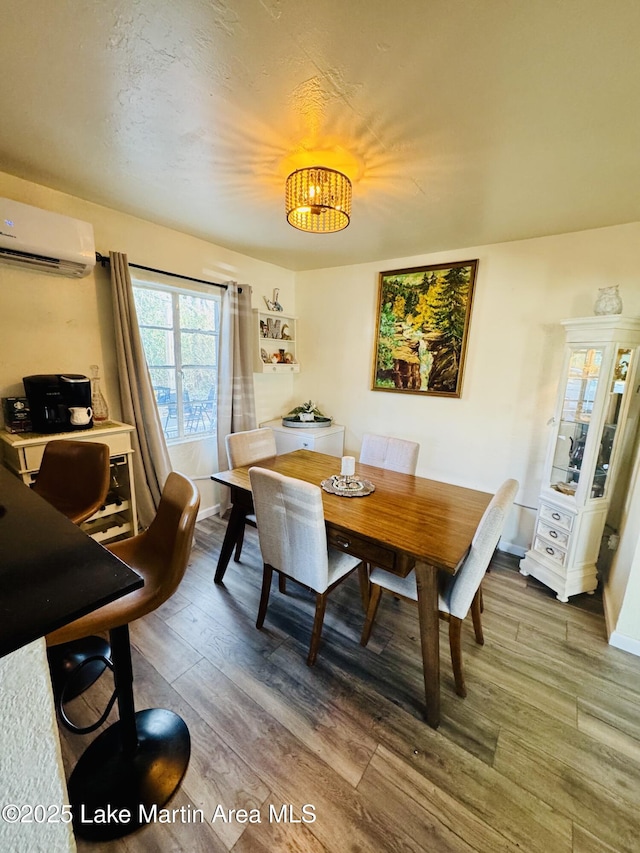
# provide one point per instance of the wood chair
(74, 477)
(248, 448)
(143, 757)
(459, 593)
(293, 541)
(394, 454)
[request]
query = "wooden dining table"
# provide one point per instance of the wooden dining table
(407, 523)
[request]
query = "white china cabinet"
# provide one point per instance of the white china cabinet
(594, 425)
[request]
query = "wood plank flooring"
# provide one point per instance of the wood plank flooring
(543, 756)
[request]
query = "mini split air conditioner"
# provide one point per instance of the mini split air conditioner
(45, 241)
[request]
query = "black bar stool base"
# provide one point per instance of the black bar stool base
(107, 782)
(67, 657)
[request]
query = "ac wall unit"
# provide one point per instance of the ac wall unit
(45, 241)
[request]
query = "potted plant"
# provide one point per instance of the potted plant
(308, 414)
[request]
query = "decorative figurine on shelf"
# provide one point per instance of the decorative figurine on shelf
(98, 403)
(273, 304)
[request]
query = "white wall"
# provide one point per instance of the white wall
(623, 599)
(498, 428)
(51, 324)
(31, 769)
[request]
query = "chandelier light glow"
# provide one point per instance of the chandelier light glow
(318, 199)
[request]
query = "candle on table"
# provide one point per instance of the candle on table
(348, 466)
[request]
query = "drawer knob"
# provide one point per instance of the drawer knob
(556, 516)
(553, 534)
(550, 550)
(343, 543)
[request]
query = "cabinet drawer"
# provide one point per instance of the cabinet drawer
(118, 444)
(558, 555)
(553, 534)
(367, 551)
(555, 517)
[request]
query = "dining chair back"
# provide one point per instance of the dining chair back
(74, 477)
(460, 589)
(250, 446)
(458, 593)
(247, 448)
(293, 541)
(394, 454)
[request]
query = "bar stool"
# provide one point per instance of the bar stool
(74, 478)
(141, 759)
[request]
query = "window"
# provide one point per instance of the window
(179, 330)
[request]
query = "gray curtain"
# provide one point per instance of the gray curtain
(151, 463)
(236, 402)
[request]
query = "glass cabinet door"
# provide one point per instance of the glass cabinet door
(613, 405)
(581, 385)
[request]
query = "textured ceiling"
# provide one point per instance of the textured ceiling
(461, 122)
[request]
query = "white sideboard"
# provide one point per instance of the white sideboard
(22, 453)
(328, 440)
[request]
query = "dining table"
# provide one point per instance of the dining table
(406, 524)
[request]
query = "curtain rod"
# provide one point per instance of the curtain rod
(103, 260)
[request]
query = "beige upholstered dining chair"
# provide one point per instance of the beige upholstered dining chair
(293, 541)
(247, 448)
(394, 454)
(459, 593)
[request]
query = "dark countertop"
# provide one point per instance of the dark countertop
(51, 572)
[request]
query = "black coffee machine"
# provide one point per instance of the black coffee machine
(59, 402)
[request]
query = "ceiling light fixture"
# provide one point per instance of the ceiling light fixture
(318, 199)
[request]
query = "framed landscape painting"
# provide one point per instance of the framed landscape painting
(422, 327)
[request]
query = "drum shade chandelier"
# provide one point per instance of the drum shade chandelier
(318, 199)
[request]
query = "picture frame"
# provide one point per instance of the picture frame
(422, 328)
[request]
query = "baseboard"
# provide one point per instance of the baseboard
(208, 511)
(627, 644)
(616, 639)
(510, 548)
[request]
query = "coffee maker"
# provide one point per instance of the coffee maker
(59, 402)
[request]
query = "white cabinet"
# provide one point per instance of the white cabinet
(23, 452)
(275, 342)
(594, 426)
(328, 440)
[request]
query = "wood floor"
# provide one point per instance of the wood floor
(543, 756)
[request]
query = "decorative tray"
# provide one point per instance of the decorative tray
(348, 487)
(294, 421)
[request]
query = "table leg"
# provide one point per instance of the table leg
(235, 526)
(427, 581)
